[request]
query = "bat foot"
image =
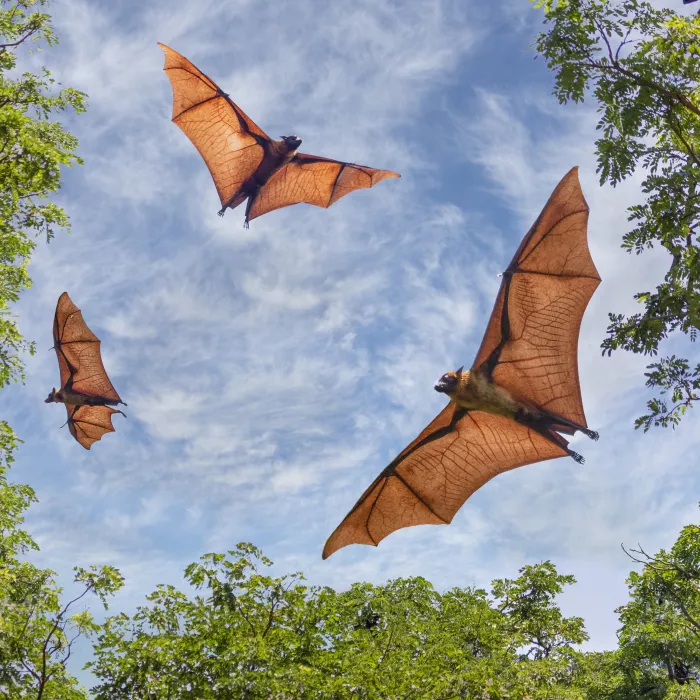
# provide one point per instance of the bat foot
(246, 225)
(577, 457)
(221, 212)
(591, 434)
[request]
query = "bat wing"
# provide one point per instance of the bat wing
(230, 142)
(87, 424)
(78, 351)
(314, 180)
(432, 478)
(531, 342)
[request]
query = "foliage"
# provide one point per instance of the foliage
(32, 150)
(252, 635)
(660, 637)
(37, 630)
(256, 636)
(642, 66)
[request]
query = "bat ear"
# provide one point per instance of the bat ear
(459, 371)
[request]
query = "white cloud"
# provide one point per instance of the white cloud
(272, 373)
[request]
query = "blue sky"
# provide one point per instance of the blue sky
(271, 373)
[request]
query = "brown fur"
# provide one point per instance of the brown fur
(277, 154)
(477, 392)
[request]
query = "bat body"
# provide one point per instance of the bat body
(521, 392)
(73, 398)
(85, 387)
(476, 390)
(277, 154)
(244, 162)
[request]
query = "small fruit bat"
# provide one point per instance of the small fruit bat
(521, 392)
(244, 162)
(85, 387)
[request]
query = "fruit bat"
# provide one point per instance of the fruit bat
(85, 387)
(522, 391)
(244, 161)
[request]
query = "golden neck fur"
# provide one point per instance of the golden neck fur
(477, 392)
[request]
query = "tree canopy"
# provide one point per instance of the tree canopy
(642, 67)
(32, 150)
(37, 628)
(251, 635)
(248, 634)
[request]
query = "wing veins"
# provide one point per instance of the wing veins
(203, 102)
(65, 323)
(335, 182)
(410, 488)
(440, 432)
(187, 70)
(549, 230)
(549, 274)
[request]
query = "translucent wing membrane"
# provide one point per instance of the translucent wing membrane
(87, 424)
(314, 180)
(530, 349)
(531, 342)
(433, 477)
(82, 372)
(78, 351)
(227, 139)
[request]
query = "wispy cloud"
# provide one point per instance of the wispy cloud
(271, 373)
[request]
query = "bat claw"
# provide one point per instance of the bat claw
(592, 434)
(577, 457)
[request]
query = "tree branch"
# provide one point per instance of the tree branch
(679, 133)
(615, 66)
(4, 47)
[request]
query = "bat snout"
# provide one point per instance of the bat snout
(293, 142)
(446, 384)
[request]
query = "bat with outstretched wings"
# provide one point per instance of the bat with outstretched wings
(522, 391)
(244, 162)
(85, 387)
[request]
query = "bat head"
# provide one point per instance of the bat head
(293, 142)
(448, 383)
(52, 397)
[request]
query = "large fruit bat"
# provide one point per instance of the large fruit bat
(244, 162)
(85, 387)
(521, 392)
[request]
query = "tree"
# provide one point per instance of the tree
(257, 636)
(660, 635)
(642, 67)
(32, 151)
(37, 630)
